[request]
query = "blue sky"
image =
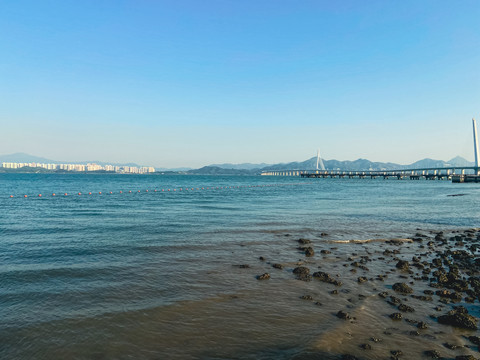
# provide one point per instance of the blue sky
(191, 83)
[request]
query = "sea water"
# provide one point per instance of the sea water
(147, 266)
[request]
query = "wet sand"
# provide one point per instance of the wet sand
(406, 298)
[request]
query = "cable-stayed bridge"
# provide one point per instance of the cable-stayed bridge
(456, 174)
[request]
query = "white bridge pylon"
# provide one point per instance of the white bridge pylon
(475, 147)
(320, 161)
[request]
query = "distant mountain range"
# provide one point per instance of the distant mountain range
(252, 169)
(310, 164)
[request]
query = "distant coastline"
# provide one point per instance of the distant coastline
(33, 164)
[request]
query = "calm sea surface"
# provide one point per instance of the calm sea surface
(149, 274)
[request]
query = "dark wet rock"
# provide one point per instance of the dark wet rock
(396, 353)
(402, 288)
(441, 276)
(362, 279)
(459, 317)
(396, 316)
(474, 339)
(428, 292)
(304, 241)
(414, 333)
(334, 292)
(278, 266)
(434, 354)
(394, 300)
(325, 277)
(375, 339)
(265, 276)
(383, 294)
(381, 277)
(325, 252)
(405, 308)
(458, 285)
(437, 262)
(418, 266)
(323, 234)
(451, 346)
(449, 294)
(366, 346)
(422, 325)
(306, 297)
(343, 315)
(411, 321)
(303, 277)
(309, 252)
(395, 242)
(422, 297)
(261, 258)
(301, 270)
(474, 282)
(403, 265)
(318, 303)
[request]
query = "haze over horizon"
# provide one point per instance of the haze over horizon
(188, 84)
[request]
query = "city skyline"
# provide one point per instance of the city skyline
(184, 84)
(86, 167)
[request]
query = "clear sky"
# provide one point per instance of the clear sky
(195, 82)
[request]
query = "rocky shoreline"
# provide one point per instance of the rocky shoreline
(422, 292)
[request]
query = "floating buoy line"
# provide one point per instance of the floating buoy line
(163, 190)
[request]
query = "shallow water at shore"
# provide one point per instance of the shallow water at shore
(154, 275)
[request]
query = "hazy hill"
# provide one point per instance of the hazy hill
(215, 170)
(459, 161)
(25, 158)
(430, 163)
(244, 166)
(359, 164)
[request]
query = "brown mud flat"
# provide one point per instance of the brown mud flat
(409, 298)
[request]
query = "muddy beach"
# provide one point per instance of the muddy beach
(409, 298)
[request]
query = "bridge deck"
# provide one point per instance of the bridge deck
(457, 174)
